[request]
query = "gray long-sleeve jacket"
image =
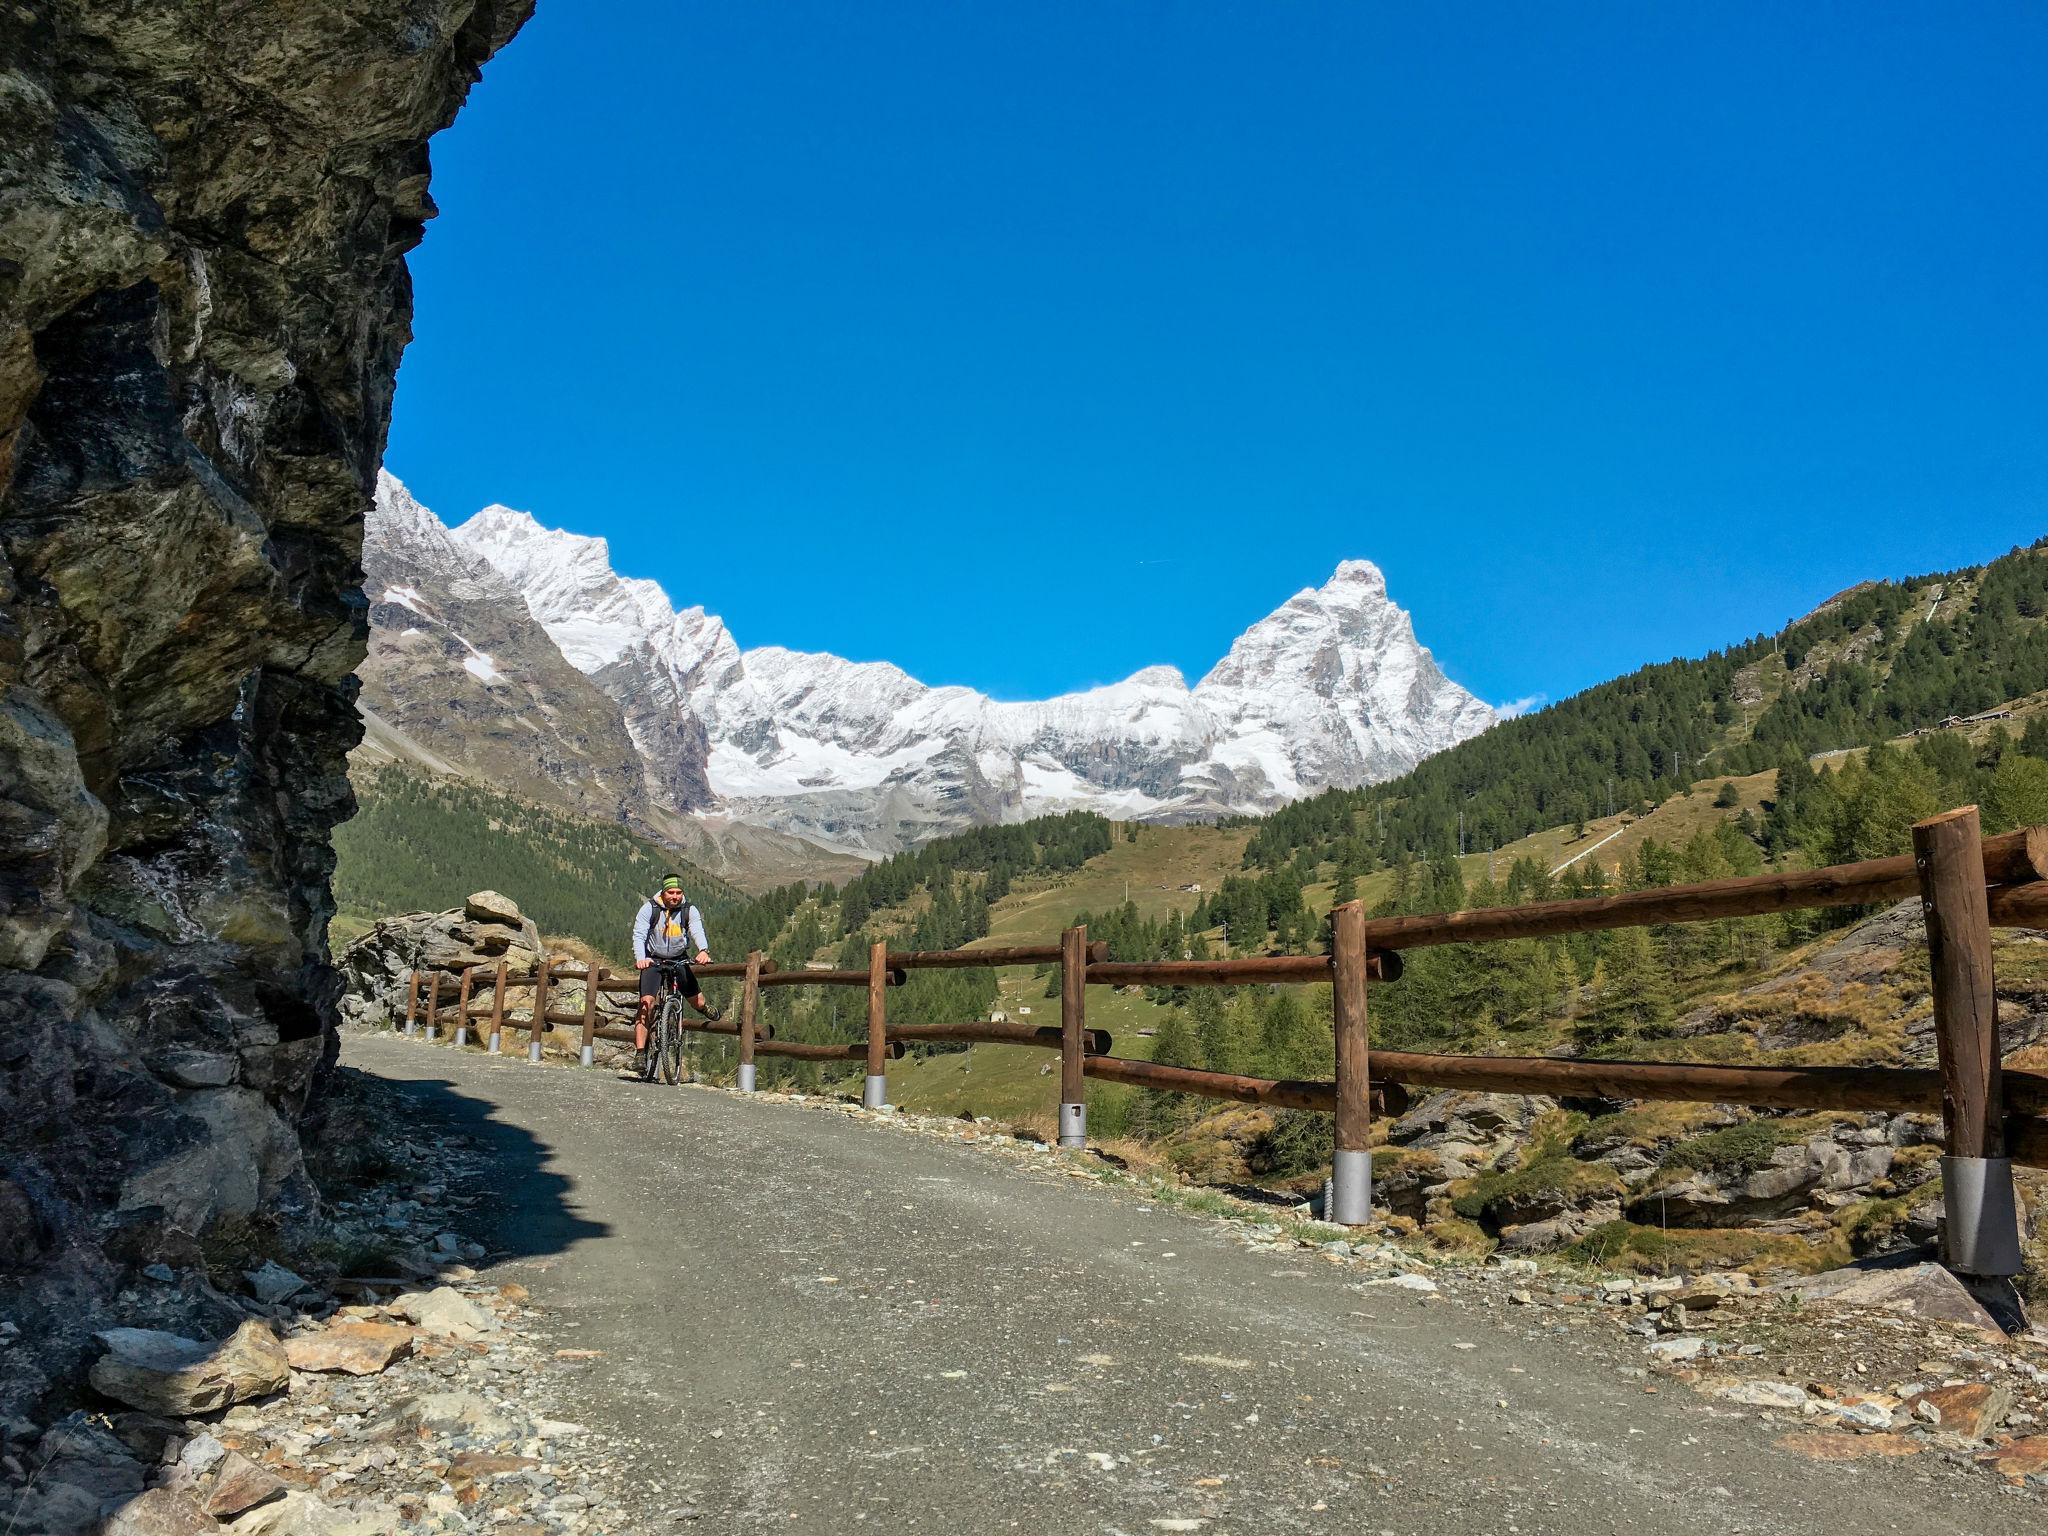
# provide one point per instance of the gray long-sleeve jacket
(661, 946)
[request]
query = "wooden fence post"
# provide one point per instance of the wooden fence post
(1073, 1024)
(1350, 1202)
(750, 1002)
(462, 1006)
(540, 1007)
(875, 1091)
(593, 983)
(412, 1003)
(433, 1003)
(1981, 1229)
(498, 1010)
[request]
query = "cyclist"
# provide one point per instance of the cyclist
(666, 932)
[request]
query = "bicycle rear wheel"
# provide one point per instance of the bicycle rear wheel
(671, 1040)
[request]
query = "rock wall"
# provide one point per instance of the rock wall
(204, 214)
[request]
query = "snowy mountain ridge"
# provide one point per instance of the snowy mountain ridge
(1331, 688)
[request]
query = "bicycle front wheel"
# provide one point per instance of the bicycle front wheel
(671, 1041)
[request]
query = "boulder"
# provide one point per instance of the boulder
(85, 1466)
(1972, 1409)
(272, 1282)
(160, 1512)
(460, 1413)
(446, 1311)
(490, 907)
(227, 1152)
(1919, 1290)
(352, 1348)
(300, 1514)
(163, 1373)
(239, 1484)
(1478, 1120)
(2024, 1458)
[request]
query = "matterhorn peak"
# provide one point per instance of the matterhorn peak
(1354, 581)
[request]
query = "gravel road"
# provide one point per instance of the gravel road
(812, 1323)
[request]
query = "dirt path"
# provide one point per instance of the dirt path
(812, 1324)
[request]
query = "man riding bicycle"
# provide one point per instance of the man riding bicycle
(666, 932)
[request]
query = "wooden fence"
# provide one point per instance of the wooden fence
(1966, 882)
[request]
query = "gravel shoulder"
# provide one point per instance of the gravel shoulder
(791, 1316)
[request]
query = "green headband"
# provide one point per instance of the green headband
(671, 885)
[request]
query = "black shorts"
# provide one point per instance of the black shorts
(652, 979)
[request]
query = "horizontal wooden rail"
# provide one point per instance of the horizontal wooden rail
(1096, 1042)
(2019, 906)
(2015, 858)
(968, 959)
(1214, 1085)
(1891, 1089)
(897, 977)
(1231, 973)
(858, 1051)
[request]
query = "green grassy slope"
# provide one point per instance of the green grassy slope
(423, 844)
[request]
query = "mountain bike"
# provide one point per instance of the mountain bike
(665, 1041)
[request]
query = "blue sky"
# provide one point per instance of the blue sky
(1026, 345)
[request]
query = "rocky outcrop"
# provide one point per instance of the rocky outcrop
(204, 214)
(485, 929)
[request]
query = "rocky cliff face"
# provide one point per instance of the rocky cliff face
(204, 213)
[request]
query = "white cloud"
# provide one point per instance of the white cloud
(1521, 706)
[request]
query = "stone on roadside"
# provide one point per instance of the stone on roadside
(446, 1311)
(353, 1348)
(300, 1514)
(1419, 1283)
(1921, 1290)
(199, 1456)
(1828, 1445)
(273, 1282)
(159, 1512)
(165, 1373)
(1865, 1413)
(1781, 1395)
(1972, 1409)
(1678, 1347)
(459, 1413)
(239, 1484)
(2020, 1460)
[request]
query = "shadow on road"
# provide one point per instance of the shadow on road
(526, 1210)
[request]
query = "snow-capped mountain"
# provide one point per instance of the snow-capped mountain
(460, 678)
(1332, 688)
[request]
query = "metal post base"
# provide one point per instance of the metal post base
(589, 1055)
(495, 1045)
(1073, 1125)
(433, 1033)
(461, 1035)
(411, 1028)
(746, 1077)
(1350, 1202)
(875, 1093)
(1981, 1230)
(533, 1051)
